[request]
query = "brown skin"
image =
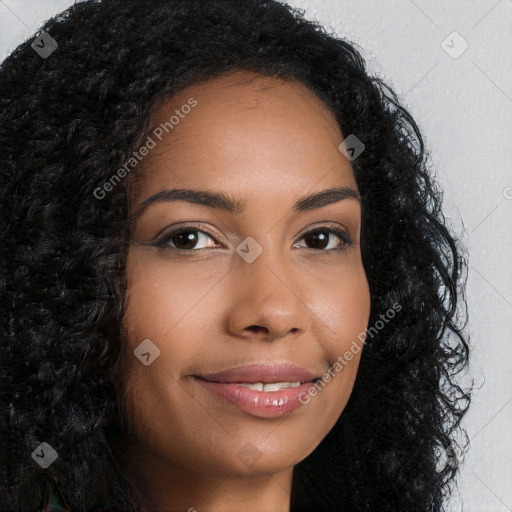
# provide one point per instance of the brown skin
(264, 142)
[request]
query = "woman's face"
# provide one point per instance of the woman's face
(262, 277)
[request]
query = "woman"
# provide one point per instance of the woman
(226, 278)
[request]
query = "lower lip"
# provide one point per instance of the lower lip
(264, 404)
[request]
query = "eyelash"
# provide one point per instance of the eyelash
(164, 241)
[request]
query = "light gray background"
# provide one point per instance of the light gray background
(464, 108)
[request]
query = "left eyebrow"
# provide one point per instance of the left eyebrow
(325, 197)
(221, 201)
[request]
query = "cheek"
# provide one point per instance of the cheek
(343, 308)
(342, 304)
(161, 296)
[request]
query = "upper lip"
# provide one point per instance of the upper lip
(267, 373)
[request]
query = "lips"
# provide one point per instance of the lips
(264, 391)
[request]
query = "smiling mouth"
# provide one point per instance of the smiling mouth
(264, 391)
(271, 400)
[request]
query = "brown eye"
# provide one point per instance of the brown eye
(185, 239)
(320, 238)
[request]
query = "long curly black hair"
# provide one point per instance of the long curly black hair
(69, 121)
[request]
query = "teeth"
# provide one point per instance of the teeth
(274, 386)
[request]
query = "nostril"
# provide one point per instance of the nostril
(257, 328)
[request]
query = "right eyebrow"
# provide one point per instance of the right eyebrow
(210, 199)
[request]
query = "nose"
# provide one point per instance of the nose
(266, 299)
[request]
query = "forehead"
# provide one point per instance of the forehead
(246, 132)
(249, 95)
